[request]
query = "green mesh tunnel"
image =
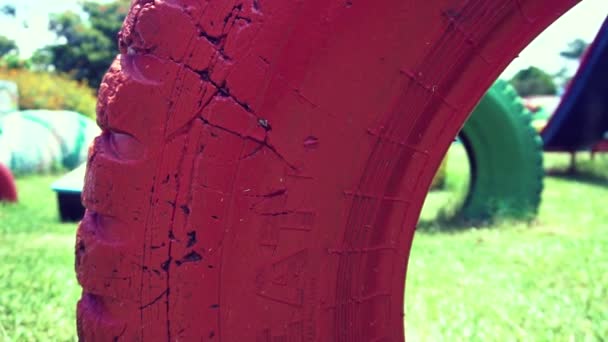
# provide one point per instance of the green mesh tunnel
(38, 141)
(506, 159)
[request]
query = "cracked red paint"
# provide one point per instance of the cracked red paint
(263, 162)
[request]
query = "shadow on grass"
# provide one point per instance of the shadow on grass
(452, 223)
(587, 176)
(447, 221)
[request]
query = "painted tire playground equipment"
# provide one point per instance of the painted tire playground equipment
(507, 169)
(8, 189)
(286, 210)
(38, 141)
(506, 157)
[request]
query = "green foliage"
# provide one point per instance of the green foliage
(575, 50)
(7, 46)
(9, 11)
(533, 81)
(41, 90)
(107, 18)
(90, 45)
(12, 61)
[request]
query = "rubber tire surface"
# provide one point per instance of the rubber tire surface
(506, 157)
(8, 189)
(263, 163)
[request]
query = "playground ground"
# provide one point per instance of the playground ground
(539, 281)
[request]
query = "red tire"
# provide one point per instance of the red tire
(8, 189)
(263, 162)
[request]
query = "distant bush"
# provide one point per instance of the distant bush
(43, 90)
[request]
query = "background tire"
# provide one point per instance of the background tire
(8, 189)
(263, 163)
(506, 157)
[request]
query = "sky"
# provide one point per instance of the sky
(37, 12)
(583, 21)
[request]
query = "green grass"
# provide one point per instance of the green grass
(541, 281)
(443, 204)
(38, 288)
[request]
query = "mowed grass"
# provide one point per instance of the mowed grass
(38, 288)
(545, 280)
(541, 281)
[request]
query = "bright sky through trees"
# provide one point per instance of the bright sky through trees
(583, 21)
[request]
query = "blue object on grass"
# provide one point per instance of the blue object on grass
(69, 190)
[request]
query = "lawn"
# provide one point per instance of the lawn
(545, 280)
(541, 281)
(38, 289)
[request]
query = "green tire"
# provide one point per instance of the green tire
(505, 153)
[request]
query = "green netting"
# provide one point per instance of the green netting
(37, 141)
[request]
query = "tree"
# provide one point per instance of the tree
(9, 10)
(575, 50)
(533, 81)
(88, 46)
(7, 46)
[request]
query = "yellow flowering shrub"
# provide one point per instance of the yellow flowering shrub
(44, 90)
